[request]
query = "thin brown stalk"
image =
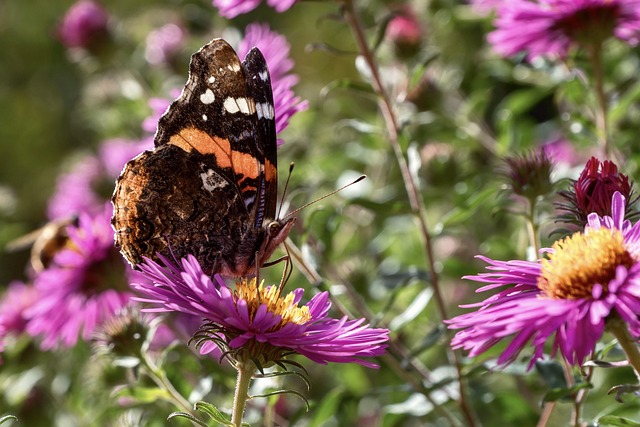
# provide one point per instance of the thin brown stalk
(415, 200)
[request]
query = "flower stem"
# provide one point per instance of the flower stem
(602, 125)
(532, 229)
(618, 328)
(415, 200)
(245, 374)
(159, 377)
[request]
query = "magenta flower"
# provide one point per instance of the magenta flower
(85, 284)
(587, 280)
(484, 7)
(256, 323)
(592, 192)
(164, 43)
(83, 24)
(232, 8)
(551, 27)
(560, 150)
(15, 302)
(275, 49)
(404, 30)
(91, 180)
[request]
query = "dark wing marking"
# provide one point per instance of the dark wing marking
(259, 82)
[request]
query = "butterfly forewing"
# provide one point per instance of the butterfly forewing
(210, 183)
(216, 115)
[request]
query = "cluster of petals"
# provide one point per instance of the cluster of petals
(83, 23)
(232, 8)
(522, 313)
(75, 294)
(549, 28)
(79, 190)
(187, 289)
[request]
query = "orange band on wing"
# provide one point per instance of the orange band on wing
(190, 139)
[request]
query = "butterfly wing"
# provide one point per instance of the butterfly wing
(259, 82)
(216, 115)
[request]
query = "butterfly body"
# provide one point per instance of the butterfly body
(209, 186)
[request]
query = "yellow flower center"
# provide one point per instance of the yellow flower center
(284, 306)
(581, 261)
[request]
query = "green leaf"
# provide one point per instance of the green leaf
(7, 418)
(623, 389)
(327, 408)
(612, 420)
(552, 374)
(187, 416)
(564, 393)
(213, 413)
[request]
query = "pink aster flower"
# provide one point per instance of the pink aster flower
(15, 302)
(91, 180)
(275, 49)
(485, 7)
(83, 24)
(589, 279)
(85, 284)
(164, 43)
(256, 323)
(232, 8)
(551, 27)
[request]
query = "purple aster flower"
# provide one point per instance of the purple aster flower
(275, 49)
(85, 284)
(91, 180)
(257, 323)
(551, 27)
(484, 7)
(560, 151)
(83, 24)
(232, 8)
(588, 279)
(15, 302)
(164, 43)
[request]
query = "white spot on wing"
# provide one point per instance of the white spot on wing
(264, 75)
(204, 117)
(243, 105)
(212, 181)
(265, 110)
(212, 79)
(208, 97)
(235, 67)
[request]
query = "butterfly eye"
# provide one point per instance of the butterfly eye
(273, 228)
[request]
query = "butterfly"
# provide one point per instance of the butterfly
(209, 187)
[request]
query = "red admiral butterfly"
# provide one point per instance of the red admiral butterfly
(209, 186)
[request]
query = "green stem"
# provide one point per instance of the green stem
(159, 377)
(602, 125)
(532, 228)
(619, 329)
(245, 374)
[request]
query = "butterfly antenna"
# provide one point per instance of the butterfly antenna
(286, 186)
(355, 181)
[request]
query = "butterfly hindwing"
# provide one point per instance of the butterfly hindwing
(259, 82)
